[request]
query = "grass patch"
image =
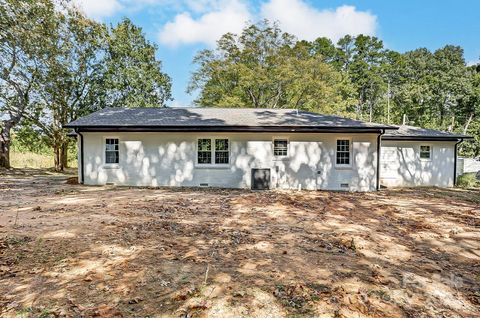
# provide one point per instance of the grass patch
(468, 180)
(35, 160)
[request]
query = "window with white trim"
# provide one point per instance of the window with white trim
(280, 147)
(213, 151)
(425, 152)
(111, 151)
(343, 152)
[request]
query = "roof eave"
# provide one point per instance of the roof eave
(126, 128)
(426, 138)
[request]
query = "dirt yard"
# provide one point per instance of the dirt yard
(68, 250)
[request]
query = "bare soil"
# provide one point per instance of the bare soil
(68, 250)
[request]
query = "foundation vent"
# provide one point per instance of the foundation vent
(204, 184)
(344, 185)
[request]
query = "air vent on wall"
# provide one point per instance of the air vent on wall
(344, 185)
(204, 184)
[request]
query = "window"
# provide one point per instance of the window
(343, 152)
(221, 151)
(218, 154)
(111, 150)
(204, 154)
(280, 147)
(425, 152)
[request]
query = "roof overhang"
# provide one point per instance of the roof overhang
(304, 129)
(425, 138)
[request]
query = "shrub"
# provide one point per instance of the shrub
(468, 180)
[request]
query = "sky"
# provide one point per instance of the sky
(181, 28)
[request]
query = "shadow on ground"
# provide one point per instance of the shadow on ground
(72, 250)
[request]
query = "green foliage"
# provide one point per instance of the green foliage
(131, 74)
(58, 65)
(27, 139)
(356, 77)
(266, 68)
(468, 180)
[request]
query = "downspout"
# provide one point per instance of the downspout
(379, 144)
(455, 162)
(81, 156)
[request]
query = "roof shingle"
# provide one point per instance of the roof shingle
(411, 132)
(216, 117)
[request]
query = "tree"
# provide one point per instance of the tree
(469, 113)
(266, 68)
(363, 58)
(22, 29)
(84, 67)
(67, 78)
(431, 86)
(132, 76)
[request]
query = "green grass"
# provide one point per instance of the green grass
(468, 180)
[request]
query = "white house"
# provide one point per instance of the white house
(258, 149)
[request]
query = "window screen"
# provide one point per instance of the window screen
(111, 150)
(221, 151)
(343, 152)
(425, 152)
(280, 147)
(204, 152)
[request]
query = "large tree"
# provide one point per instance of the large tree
(431, 87)
(362, 58)
(75, 66)
(23, 28)
(266, 68)
(67, 79)
(132, 75)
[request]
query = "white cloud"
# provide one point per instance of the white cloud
(228, 16)
(306, 22)
(204, 21)
(98, 9)
(202, 5)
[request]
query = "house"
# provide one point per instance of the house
(258, 149)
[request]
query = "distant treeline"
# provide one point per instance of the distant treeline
(356, 77)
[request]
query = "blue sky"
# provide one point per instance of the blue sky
(183, 27)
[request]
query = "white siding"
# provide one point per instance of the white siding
(401, 164)
(169, 159)
(467, 165)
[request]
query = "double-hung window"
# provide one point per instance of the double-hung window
(204, 152)
(221, 151)
(280, 147)
(425, 152)
(343, 152)
(213, 151)
(111, 151)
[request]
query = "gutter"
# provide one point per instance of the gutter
(379, 143)
(81, 156)
(455, 162)
(310, 129)
(426, 138)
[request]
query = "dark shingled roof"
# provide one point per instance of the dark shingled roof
(405, 132)
(231, 119)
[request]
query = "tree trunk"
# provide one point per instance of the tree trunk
(64, 154)
(57, 157)
(5, 145)
(469, 120)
